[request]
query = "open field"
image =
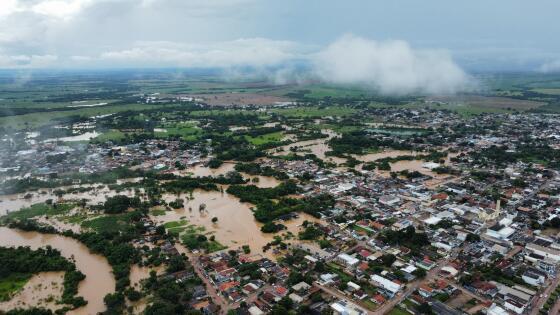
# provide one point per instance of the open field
(314, 111)
(236, 98)
(486, 102)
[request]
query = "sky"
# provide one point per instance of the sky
(455, 37)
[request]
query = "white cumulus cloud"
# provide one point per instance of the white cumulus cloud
(391, 67)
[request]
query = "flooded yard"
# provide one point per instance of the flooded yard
(319, 147)
(236, 225)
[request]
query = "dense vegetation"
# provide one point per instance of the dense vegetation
(257, 169)
(360, 142)
(271, 203)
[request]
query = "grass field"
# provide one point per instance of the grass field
(463, 109)
(12, 284)
(174, 224)
(39, 119)
(38, 210)
(314, 111)
(187, 131)
(109, 223)
(398, 311)
(547, 91)
(265, 139)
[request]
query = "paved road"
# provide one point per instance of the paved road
(411, 287)
(251, 298)
(545, 295)
(210, 289)
(556, 308)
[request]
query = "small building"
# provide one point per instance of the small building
(347, 260)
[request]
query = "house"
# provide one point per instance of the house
(347, 260)
(425, 291)
(301, 287)
(495, 309)
(296, 298)
(389, 200)
(500, 231)
(379, 299)
(514, 306)
(545, 248)
(388, 287)
(327, 278)
(249, 288)
(401, 225)
(534, 277)
(279, 291)
(426, 264)
(352, 287)
(254, 310)
(345, 308)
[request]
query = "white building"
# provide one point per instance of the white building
(390, 287)
(345, 308)
(347, 260)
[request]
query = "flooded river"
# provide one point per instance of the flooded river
(99, 278)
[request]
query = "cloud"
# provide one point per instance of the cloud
(27, 61)
(551, 66)
(254, 52)
(391, 67)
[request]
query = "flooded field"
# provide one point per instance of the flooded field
(10, 203)
(319, 147)
(418, 165)
(99, 278)
(236, 225)
(201, 170)
(42, 290)
(371, 157)
(83, 137)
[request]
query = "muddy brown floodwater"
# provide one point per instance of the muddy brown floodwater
(15, 202)
(201, 170)
(384, 154)
(236, 225)
(319, 147)
(42, 290)
(99, 277)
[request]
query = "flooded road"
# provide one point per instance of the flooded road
(236, 225)
(99, 278)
